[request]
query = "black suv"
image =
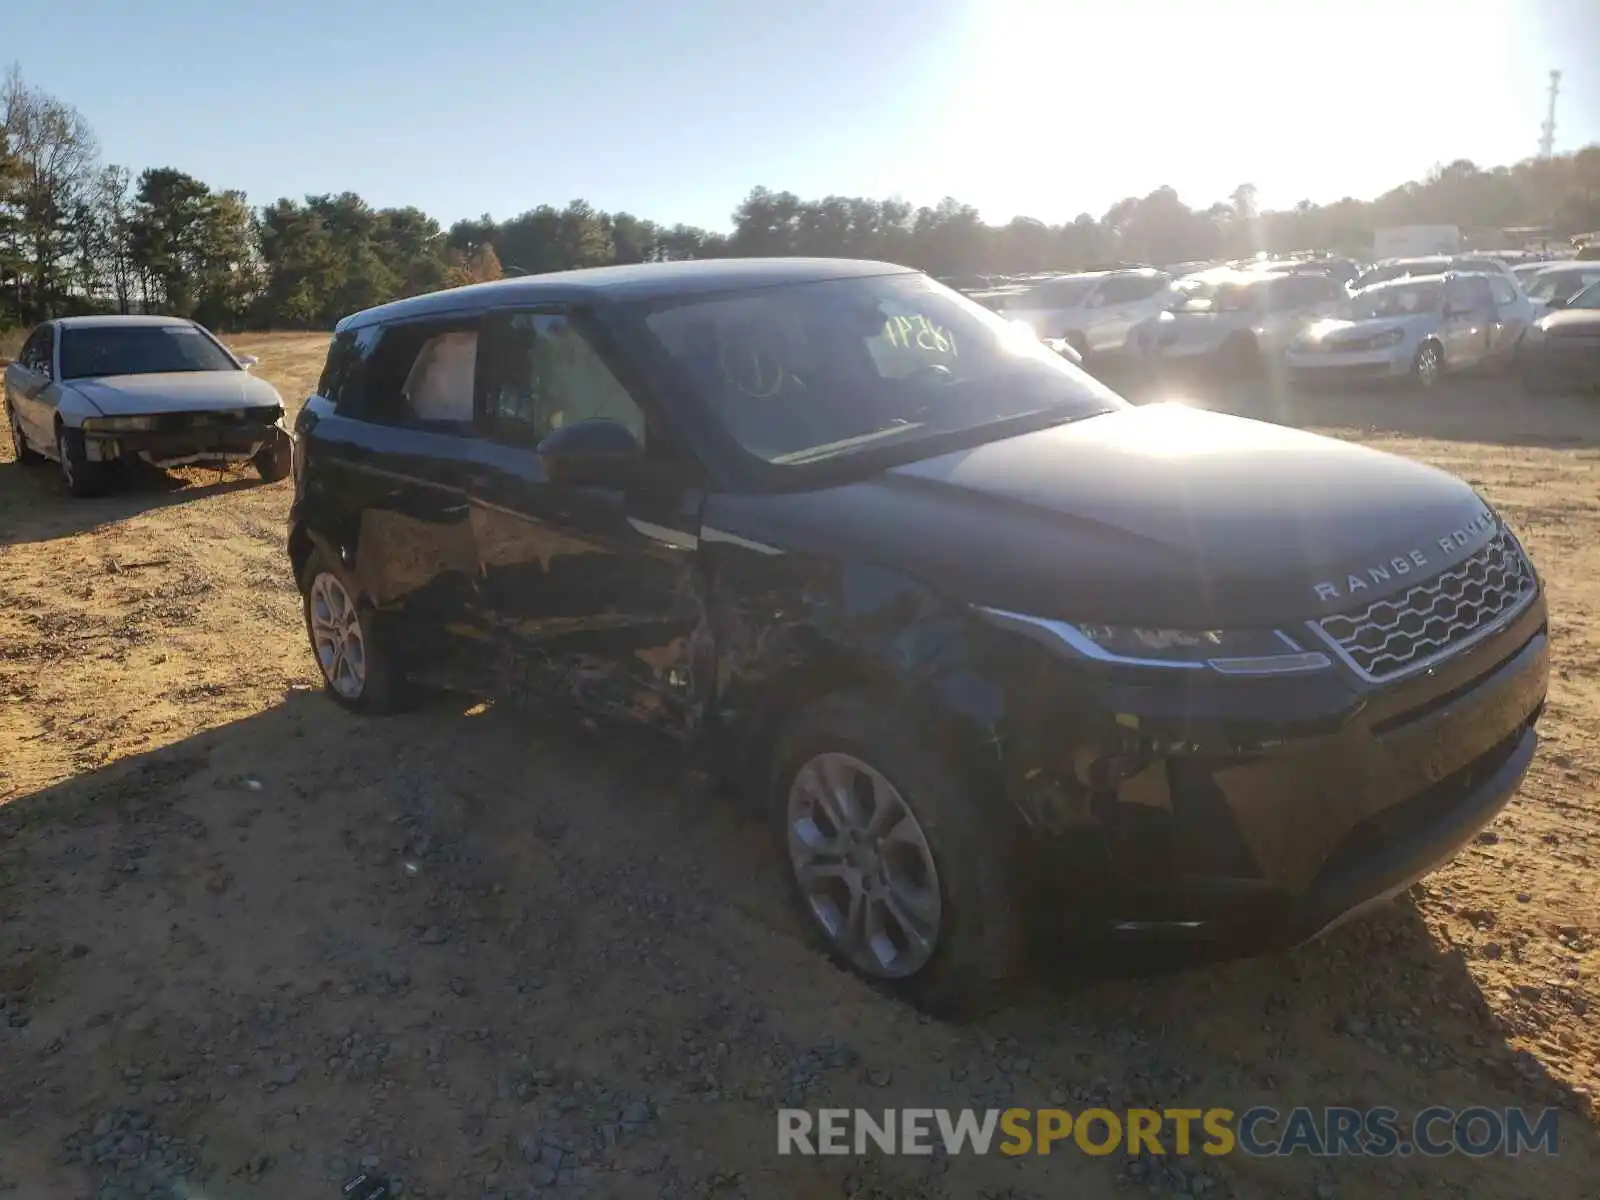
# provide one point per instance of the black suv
(974, 629)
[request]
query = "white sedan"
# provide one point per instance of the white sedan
(94, 392)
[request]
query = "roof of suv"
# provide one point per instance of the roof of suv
(634, 281)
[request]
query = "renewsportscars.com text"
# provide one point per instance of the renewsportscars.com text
(1260, 1131)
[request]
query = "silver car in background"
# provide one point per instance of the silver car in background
(1416, 328)
(94, 393)
(1235, 321)
(1097, 313)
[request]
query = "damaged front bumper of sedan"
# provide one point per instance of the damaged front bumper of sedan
(1260, 808)
(179, 439)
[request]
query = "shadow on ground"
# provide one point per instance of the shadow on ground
(36, 507)
(488, 951)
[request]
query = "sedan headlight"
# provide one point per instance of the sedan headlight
(118, 424)
(1226, 652)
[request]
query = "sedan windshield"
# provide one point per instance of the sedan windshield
(1401, 299)
(139, 350)
(806, 371)
(1559, 285)
(1588, 298)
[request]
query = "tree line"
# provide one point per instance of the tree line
(78, 235)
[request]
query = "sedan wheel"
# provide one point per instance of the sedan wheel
(1429, 365)
(864, 866)
(337, 636)
(19, 441)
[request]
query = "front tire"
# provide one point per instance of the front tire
(895, 871)
(355, 668)
(82, 477)
(274, 461)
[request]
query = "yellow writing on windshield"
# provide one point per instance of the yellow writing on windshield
(916, 331)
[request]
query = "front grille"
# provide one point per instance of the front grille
(1433, 619)
(232, 418)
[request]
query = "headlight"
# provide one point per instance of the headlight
(118, 424)
(1227, 652)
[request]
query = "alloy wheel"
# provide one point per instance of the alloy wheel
(66, 459)
(863, 866)
(1428, 365)
(336, 636)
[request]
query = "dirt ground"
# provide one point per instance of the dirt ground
(249, 943)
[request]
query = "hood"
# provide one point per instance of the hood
(177, 391)
(1157, 515)
(1336, 329)
(1571, 322)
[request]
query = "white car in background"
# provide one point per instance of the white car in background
(95, 392)
(1097, 313)
(1236, 321)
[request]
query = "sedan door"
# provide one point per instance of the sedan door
(32, 389)
(1512, 316)
(1468, 321)
(593, 589)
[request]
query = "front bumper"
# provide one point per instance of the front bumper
(1337, 366)
(175, 447)
(1264, 811)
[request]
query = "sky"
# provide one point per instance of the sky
(674, 111)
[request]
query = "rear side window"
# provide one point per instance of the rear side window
(36, 352)
(1504, 292)
(341, 374)
(417, 374)
(541, 371)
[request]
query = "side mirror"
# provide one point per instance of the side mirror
(594, 451)
(247, 361)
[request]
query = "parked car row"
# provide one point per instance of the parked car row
(1322, 319)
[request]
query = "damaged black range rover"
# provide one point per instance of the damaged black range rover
(986, 640)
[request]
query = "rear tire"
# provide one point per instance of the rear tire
(82, 477)
(964, 902)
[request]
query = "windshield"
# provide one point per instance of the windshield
(1395, 300)
(139, 350)
(806, 371)
(1555, 285)
(1588, 298)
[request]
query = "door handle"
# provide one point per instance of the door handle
(457, 508)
